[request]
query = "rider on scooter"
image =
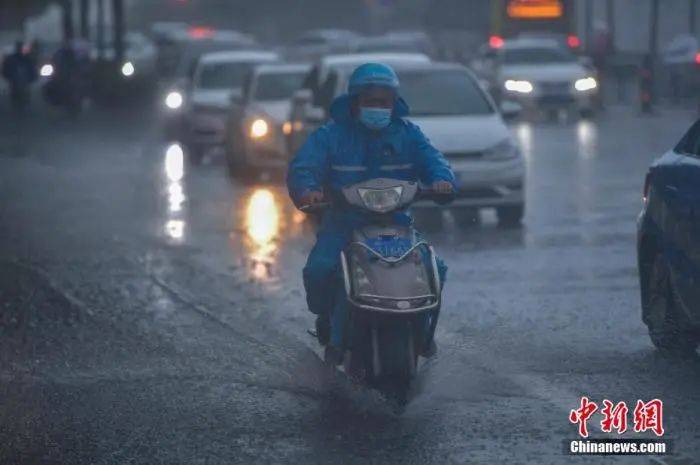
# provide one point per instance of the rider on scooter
(368, 137)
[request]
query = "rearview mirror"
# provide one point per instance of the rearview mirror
(315, 115)
(302, 97)
(510, 109)
(235, 97)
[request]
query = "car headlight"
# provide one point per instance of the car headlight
(174, 100)
(504, 150)
(585, 84)
(46, 70)
(522, 87)
(259, 128)
(128, 69)
(381, 200)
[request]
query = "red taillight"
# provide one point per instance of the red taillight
(573, 41)
(201, 32)
(697, 58)
(647, 186)
(496, 42)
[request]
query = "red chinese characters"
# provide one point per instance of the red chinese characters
(649, 416)
(614, 417)
(582, 414)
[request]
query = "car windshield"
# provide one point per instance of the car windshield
(223, 75)
(443, 93)
(278, 86)
(537, 56)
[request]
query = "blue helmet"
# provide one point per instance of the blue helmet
(372, 74)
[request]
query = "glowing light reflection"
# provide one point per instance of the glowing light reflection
(262, 227)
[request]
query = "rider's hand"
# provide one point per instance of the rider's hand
(311, 198)
(442, 187)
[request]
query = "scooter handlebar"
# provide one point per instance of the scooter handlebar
(314, 207)
(435, 196)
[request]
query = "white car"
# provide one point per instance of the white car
(258, 124)
(538, 74)
(311, 103)
(461, 121)
(218, 77)
(320, 42)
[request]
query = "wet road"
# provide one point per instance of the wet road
(152, 312)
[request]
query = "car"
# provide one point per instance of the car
(311, 103)
(316, 43)
(258, 122)
(462, 121)
(538, 74)
(668, 247)
(137, 71)
(218, 77)
(180, 48)
(396, 41)
(179, 51)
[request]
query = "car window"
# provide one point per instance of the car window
(277, 86)
(223, 75)
(690, 143)
(433, 93)
(537, 55)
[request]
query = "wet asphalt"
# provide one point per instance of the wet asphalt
(152, 311)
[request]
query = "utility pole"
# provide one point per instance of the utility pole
(610, 17)
(118, 25)
(100, 29)
(85, 19)
(589, 25)
(647, 83)
(654, 29)
(691, 16)
(67, 19)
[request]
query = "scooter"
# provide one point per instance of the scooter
(388, 303)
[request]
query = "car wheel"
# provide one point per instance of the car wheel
(669, 329)
(510, 216)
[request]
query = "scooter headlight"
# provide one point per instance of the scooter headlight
(381, 200)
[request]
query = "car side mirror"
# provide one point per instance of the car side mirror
(235, 97)
(315, 114)
(302, 97)
(510, 110)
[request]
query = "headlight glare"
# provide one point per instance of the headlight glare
(522, 87)
(585, 84)
(128, 69)
(174, 100)
(259, 128)
(46, 70)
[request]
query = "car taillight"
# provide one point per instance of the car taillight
(573, 41)
(697, 58)
(647, 186)
(496, 42)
